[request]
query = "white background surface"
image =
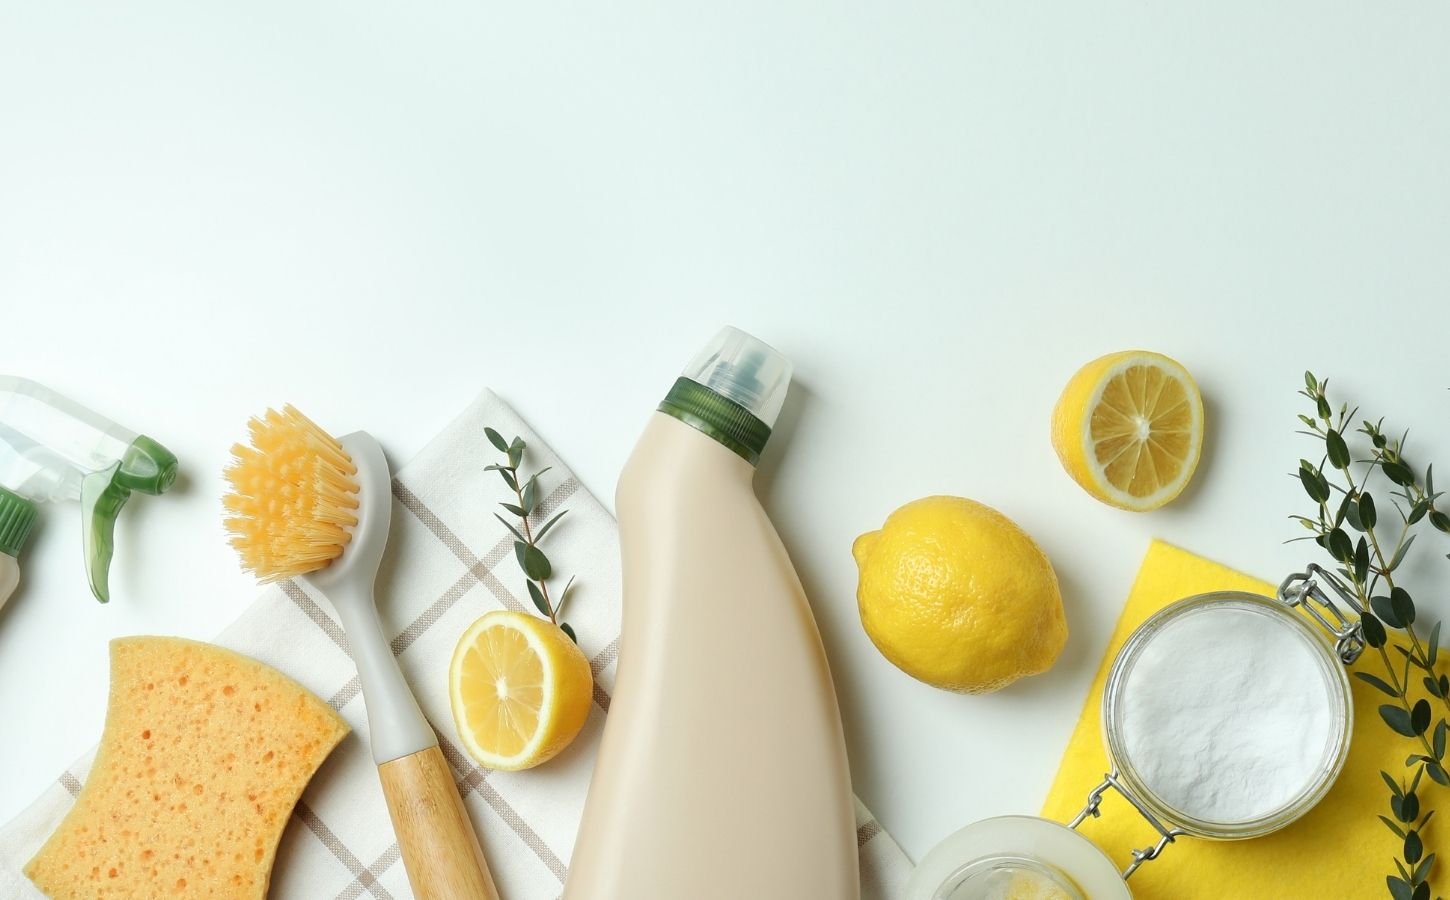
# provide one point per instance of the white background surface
(937, 210)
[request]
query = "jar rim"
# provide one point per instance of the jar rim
(1023, 838)
(1336, 678)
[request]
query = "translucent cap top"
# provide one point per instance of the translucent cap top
(744, 369)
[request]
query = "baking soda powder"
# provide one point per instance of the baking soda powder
(1228, 715)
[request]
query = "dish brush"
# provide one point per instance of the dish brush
(308, 506)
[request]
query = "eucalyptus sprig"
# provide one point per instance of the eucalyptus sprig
(537, 568)
(1368, 567)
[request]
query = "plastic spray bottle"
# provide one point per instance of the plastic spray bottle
(54, 449)
(17, 517)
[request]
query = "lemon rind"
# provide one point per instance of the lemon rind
(1096, 471)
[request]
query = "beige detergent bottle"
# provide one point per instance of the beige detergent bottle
(722, 774)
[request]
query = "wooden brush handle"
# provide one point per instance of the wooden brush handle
(439, 847)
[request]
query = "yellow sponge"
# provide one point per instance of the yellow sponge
(204, 754)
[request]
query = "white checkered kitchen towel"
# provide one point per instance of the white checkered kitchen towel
(449, 561)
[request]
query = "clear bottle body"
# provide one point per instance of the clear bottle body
(49, 443)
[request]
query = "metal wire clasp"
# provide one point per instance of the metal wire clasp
(1302, 590)
(1140, 856)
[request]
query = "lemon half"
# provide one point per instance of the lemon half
(520, 690)
(1129, 429)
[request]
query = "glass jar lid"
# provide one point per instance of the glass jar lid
(1227, 715)
(1016, 856)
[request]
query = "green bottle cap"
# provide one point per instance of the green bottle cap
(17, 519)
(717, 416)
(732, 391)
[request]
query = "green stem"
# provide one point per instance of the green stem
(1365, 590)
(529, 538)
(1402, 691)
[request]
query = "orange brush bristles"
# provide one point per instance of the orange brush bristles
(292, 497)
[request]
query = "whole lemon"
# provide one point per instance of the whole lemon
(955, 594)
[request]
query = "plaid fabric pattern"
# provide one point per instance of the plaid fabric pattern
(448, 562)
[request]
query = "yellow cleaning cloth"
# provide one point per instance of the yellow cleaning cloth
(1339, 851)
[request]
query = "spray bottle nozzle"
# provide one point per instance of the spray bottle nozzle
(52, 448)
(146, 466)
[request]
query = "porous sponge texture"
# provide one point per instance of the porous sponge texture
(204, 754)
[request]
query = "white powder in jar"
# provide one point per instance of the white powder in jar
(1227, 714)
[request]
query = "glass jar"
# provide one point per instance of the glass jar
(978, 862)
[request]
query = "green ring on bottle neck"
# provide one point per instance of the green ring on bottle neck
(719, 417)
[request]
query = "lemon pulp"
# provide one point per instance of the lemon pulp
(519, 688)
(1129, 429)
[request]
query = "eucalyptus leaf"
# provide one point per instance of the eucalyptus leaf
(1420, 716)
(1432, 644)
(497, 440)
(1437, 773)
(1398, 472)
(1311, 382)
(1321, 406)
(1314, 483)
(1438, 743)
(544, 529)
(533, 561)
(1440, 520)
(1409, 807)
(1349, 512)
(1418, 511)
(537, 595)
(509, 526)
(1433, 687)
(1374, 631)
(564, 596)
(1385, 610)
(1394, 785)
(516, 510)
(509, 479)
(1337, 449)
(1367, 514)
(1398, 719)
(1414, 847)
(1394, 826)
(1399, 888)
(1377, 682)
(1361, 561)
(531, 496)
(1403, 605)
(1340, 547)
(1343, 511)
(567, 629)
(1399, 556)
(1422, 871)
